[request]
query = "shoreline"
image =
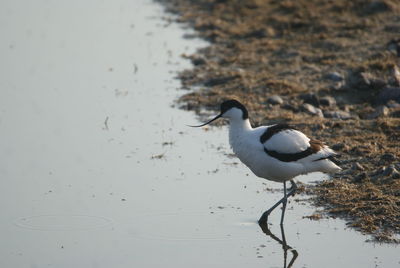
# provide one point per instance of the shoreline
(330, 69)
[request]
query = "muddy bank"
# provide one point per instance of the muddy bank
(328, 67)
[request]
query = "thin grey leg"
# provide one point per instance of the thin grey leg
(284, 202)
(264, 217)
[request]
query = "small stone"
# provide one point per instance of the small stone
(312, 67)
(396, 175)
(215, 81)
(365, 81)
(334, 76)
(359, 80)
(338, 146)
(360, 177)
(312, 110)
(393, 104)
(259, 33)
(310, 98)
(339, 86)
(357, 166)
(388, 157)
(396, 76)
(378, 83)
(337, 114)
(377, 6)
(389, 93)
(393, 45)
(327, 101)
(378, 175)
(275, 99)
(198, 61)
(380, 111)
(290, 107)
(390, 170)
(397, 165)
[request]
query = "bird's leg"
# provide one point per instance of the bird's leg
(264, 217)
(284, 202)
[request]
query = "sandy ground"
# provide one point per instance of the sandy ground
(330, 68)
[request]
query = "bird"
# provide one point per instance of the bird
(277, 152)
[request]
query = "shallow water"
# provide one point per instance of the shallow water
(98, 170)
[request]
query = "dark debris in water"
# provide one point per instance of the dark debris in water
(338, 57)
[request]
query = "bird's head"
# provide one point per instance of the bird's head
(230, 109)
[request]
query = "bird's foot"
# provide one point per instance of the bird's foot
(284, 202)
(264, 217)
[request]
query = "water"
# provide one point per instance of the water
(98, 170)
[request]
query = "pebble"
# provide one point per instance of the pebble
(389, 171)
(337, 114)
(290, 107)
(198, 61)
(388, 157)
(378, 174)
(396, 75)
(394, 45)
(377, 6)
(393, 104)
(334, 76)
(360, 177)
(312, 67)
(395, 113)
(259, 33)
(389, 93)
(312, 110)
(396, 175)
(339, 86)
(310, 98)
(327, 101)
(380, 111)
(357, 166)
(338, 146)
(365, 81)
(275, 99)
(215, 81)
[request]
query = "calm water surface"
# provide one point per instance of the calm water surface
(98, 170)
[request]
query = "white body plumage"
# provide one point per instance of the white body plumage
(246, 144)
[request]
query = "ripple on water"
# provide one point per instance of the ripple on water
(63, 222)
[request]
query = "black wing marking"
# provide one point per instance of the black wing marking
(315, 146)
(270, 131)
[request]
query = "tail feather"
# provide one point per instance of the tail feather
(326, 164)
(331, 158)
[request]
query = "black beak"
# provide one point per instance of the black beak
(215, 118)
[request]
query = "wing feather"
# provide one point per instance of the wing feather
(288, 144)
(288, 141)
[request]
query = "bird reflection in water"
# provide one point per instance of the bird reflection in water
(285, 246)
